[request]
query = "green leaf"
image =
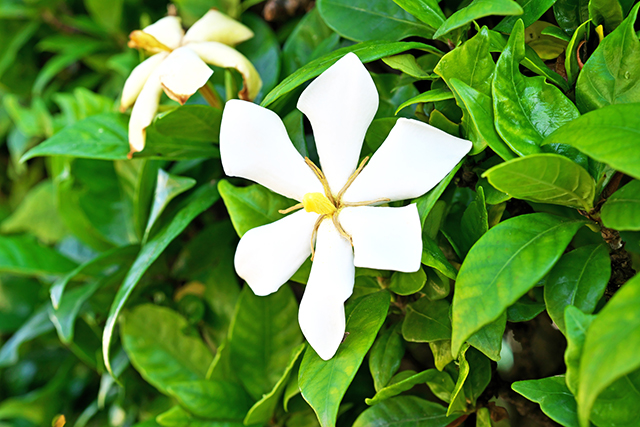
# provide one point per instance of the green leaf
(441, 351)
(427, 11)
(621, 211)
(578, 279)
(524, 309)
(201, 199)
(323, 383)
(606, 136)
(570, 14)
(400, 383)
(38, 324)
(545, 178)
(428, 96)
(610, 351)
(541, 107)
(108, 16)
(23, 255)
(211, 399)
(404, 411)
(475, 222)
(161, 352)
(553, 396)
(489, 338)
(407, 283)
(479, 374)
(611, 73)
(532, 11)
(263, 410)
(427, 321)
(458, 393)
(252, 206)
(571, 62)
(606, 12)
(262, 335)
(386, 355)
(506, 262)
(178, 417)
(432, 256)
(407, 64)
(305, 38)
(547, 40)
(367, 52)
(363, 20)
(426, 202)
(167, 187)
(476, 10)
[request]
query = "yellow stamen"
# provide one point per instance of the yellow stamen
(314, 234)
(323, 180)
(318, 203)
(291, 209)
(142, 40)
(353, 176)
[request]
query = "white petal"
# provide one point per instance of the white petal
(144, 111)
(137, 79)
(183, 73)
(167, 31)
(254, 144)
(340, 105)
(269, 255)
(215, 26)
(412, 160)
(321, 314)
(384, 238)
(221, 55)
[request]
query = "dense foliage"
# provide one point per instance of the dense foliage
(119, 302)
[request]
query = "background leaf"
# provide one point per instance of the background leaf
(621, 211)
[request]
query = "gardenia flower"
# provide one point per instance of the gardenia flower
(178, 65)
(336, 203)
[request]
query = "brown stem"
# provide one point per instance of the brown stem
(210, 96)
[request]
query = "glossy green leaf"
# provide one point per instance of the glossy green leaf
(38, 324)
(363, 20)
(621, 211)
(605, 135)
(407, 64)
(386, 355)
(544, 178)
(547, 40)
(161, 352)
(211, 399)
(201, 199)
(541, 107)
(323, 383)
(489, 338)
(427, 321)
(263, 410)
(524, 309)
(179, 417)
(441, 351)
(441, 384)
(428, 96)
(532, 11)
(167, 188)
(610, 351)
(23, 255)
(367, 52)
(606, 12)
(404, 411)
(579, 279)
(570, 14)
(505, 263)
(458, 393)
(553, 396)
(427, 11)
(263, 333)
(474, 223)
(611, 73)
(426, 202)
(479, 374)
(252, 206)
(402, 382)
(305, 38)
(571, 61)
(432, 256)
(407, 283)
(576, 325)
(476, 10)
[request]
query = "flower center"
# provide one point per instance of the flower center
(318, 203)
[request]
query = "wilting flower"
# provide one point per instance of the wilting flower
(178, 65)
(338, 214)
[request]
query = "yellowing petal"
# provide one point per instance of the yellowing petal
(321, 314)
(143, 111)
(269, 255)
(221, 55)
(138, 78)
(182, 74)
(215, 26)
(412, 160)
(167, 31)
(384, 238)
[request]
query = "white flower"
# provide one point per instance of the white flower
(348, 233)
(178, 65)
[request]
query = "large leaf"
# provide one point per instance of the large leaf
(364, 20)
(570, 14)
(611, 74)
(159, 349)
(427, 321)
(554, 398)
(502, 266)
(606, 136)
(405, 411)
(622, 209)
(367, 52)
(200, 200)
(532, 11)
(610, 351)
(540, 109)
(210, 399)
(545, 178)
(476, 10)
(262, 335)
(579, 279)
(323, 383)
(23, 255)
(606, 12)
